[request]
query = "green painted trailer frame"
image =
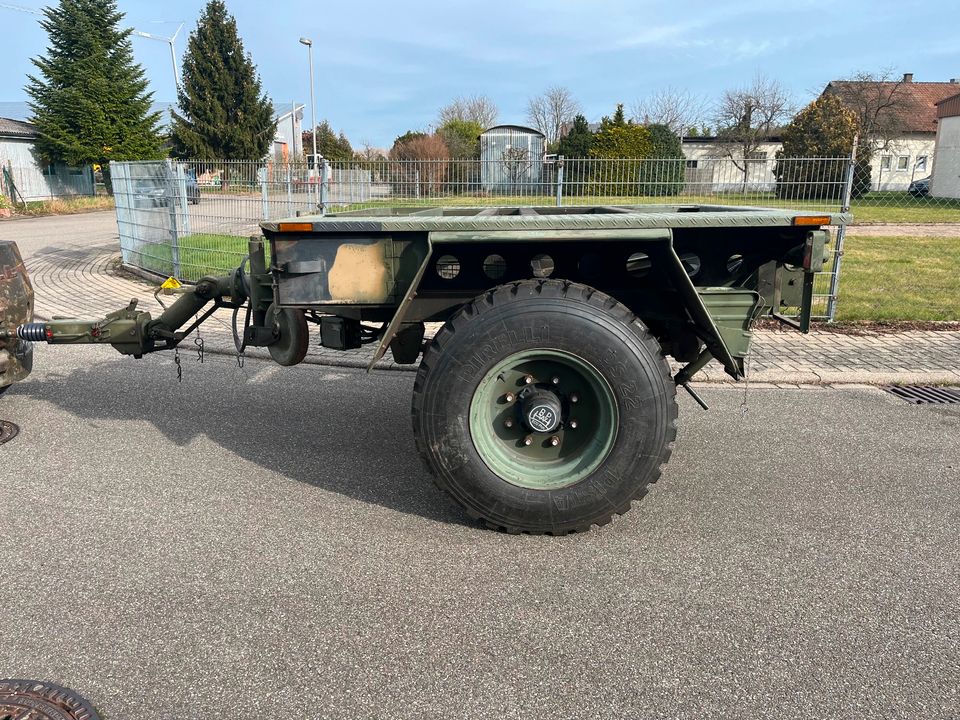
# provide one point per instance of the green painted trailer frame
(696, 274)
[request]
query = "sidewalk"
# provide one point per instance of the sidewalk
(84, 279)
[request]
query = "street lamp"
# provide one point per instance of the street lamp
(313, 104)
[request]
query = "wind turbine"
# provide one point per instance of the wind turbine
(173, 50)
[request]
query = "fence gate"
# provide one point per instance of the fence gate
(152, 215)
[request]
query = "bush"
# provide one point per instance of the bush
(663, 172)
(824, 130)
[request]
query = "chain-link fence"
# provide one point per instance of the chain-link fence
(191, 218)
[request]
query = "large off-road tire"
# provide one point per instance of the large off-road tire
(544, 406)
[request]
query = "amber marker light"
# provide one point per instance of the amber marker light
(296, 227)
(811, 220)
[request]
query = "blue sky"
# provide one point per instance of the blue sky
(386, 67)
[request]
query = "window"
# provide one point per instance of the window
(921, 163)
(903, 162)
(885, 162)
(692, 164)
(49, 170)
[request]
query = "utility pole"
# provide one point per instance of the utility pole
(313, 103)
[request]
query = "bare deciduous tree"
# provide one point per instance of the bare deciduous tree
(516, 163)
(369, 153)
(475, 108)
(676, 108)
(428, 162)
(747, 116)
(551, 111)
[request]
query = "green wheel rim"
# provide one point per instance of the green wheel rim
(506, 414)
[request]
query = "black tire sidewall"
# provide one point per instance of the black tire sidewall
(618, 347)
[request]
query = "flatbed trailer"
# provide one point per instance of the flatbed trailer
(545, 402)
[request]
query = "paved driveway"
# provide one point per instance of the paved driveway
(265, 543)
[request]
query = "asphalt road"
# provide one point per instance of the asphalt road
(265, 543)
(34, 235)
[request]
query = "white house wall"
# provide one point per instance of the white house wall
(946, 164)
(716, 168)
(915, 152)
(910, 158)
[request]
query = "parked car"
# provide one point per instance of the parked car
(920, 188)
(149, 194)
(193, 188)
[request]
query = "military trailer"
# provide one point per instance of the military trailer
(545, 402)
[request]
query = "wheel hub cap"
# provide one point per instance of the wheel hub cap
(543, 419)
(541, 411)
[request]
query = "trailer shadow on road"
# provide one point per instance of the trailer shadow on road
(337, 429)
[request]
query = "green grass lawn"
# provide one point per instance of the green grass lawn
(892, 207)
(201, 254)
(899, 278)
(882, 278)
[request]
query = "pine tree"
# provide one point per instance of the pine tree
(663, 172)
(329, 144)
(90, 102)
(576, 143)
(223, 111)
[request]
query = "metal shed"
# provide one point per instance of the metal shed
(25, 176)
(511, 158)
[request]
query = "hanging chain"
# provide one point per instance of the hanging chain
(198, 344)
(176, 360)
(241, 356)
(746, 385)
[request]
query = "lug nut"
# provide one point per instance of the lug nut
(529, 379)
(555, 380)
(554, 441)
(572, 424)
(528, 440)
(509, 397)
(508, 423)
(574, 398)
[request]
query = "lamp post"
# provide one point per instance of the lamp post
(313, 104)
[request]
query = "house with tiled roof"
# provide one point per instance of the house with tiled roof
(904, 113)
(25, 176)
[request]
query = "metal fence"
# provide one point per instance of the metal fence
(191, 218)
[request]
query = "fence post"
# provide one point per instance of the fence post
(324, 188)
(262, 176)
(416, 181)
(559, 180)
(184, 204)
(174, 234)
(289, 191)
(841, 232)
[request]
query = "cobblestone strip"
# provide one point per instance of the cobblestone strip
(84, 281)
